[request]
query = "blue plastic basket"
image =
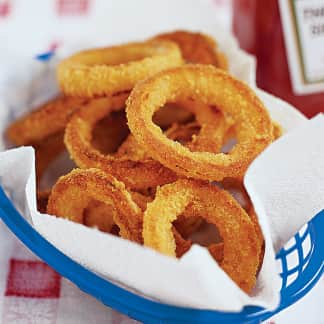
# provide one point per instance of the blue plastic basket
(306, 248)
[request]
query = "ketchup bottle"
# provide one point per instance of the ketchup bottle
(287, 38)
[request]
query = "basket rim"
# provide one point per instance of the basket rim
(141, 308)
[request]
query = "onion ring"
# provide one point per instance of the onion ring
(241, 244)
(136, 175)
(107, 71)
(73, 192)
(235, 187)
(48, 119)
(253, 124)
(197, 48)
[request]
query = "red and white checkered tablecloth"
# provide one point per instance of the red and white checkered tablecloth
(33, 293)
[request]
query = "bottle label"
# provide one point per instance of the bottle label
(303, 27)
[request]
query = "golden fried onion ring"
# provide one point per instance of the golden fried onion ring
(73, 192)
(213, 87)
(197, 48)
(110, 70)
(46, 120)
(241, 246)
(78, 134)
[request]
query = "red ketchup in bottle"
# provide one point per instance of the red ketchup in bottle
(287, 38)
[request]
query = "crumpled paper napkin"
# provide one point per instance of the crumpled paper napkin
(286, 182)
(195, 280)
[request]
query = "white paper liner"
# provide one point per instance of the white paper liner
(195, 280)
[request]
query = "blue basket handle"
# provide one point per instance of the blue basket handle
(315, 267)
(310, 275)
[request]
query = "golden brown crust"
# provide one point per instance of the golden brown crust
(48, 119)
(241, 248)
(217, 251)
(107, 71)
(212, 87)
(132, 150)
(197, 48)
(73, 192)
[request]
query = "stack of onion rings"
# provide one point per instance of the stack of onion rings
(66, 200)
(42, 122)
(136, 175)
(148, 172)
(241, 244)
(197, 48)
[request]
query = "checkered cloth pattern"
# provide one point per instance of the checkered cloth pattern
(33, 293)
